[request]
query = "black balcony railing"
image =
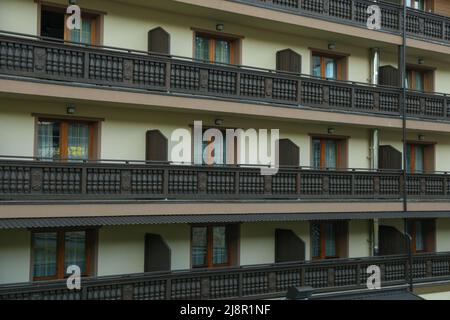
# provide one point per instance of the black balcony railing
(102, 180)
(419, 24)
(236, 283)
(126, 69)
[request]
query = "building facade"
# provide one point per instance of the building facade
(89, 176)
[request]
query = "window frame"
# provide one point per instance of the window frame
(231, 250)
(342, 150)
(341, 62)
(97, 18)
(340, 249)
(235, 44)
(427, 73)
(90, 258)
(411, 228)
(94, 134)
(429, 156)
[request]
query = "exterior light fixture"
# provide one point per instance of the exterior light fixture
(331, 46)
(420, 61)
(218, 122)
(71, 109)
(331, 130)
(72, 1)
(220, 27)
(421, 137)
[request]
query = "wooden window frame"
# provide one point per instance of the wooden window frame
(342, 150)
(429, 160)
(91, 252)
(428, 74)
(96, 16)
(231, 251)
(323, 239)
(413, 233)
(340, 58)
(235, 44)
(94, 134)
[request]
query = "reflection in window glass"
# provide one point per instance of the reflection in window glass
(44, 254)
(48, 139)
(199, 246)
(75, 250)
(78, 141)
(219, 245)
(201, 48)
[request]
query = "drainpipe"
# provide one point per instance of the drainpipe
(375, 143)
(374, 65)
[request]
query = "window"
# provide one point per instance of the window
(420, 79)
(328, 153)
(64, 139)
(419, 157)
(217, 152)
(54, 251)
(216, 48)
(53, 25)
(213, 246)
(328, 240)
(425, 5)
(423, 234)
(328, 66)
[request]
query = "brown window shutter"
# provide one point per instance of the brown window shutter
(389, 158)
(233, 232)
(156, 146)
(159, 41)
(428, 81)
(342, 239)
(289, 153)
(391, 241)
(289, 60)
(429, 234)
(288, 246)
(342, 68)
(157, 256)
(388, 76)
(429, 158)
(342, 154)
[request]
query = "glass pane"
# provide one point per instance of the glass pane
(85, 34)
(48, 139)
(330, 68)
(419, 81)
(44, 254)
(330, 240)
(408, 158)
(201, 48)
(220, 252)
(75, 250)
(78, 141)
(199, 246)
(418, 152)
(419, 236)
(316, 66)
(315, 239)
(316, 153)
(219, 153)
(331, 154)
(222, 53)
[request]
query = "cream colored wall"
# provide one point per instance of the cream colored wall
(121, 249)
(436, 296)
(359, 238)
(443, 235)
(19, 16)
(123, 131)
(14, 256)
(396, 223)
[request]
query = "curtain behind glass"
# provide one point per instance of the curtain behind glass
(316, 153)
(330, 68)
(330, 154)
(315, 239)
(84, 35)
(220, 252)
(419, 155)
(48, 139)
(330, 240)
(199, 246)
(222, 54)
(44, 254)
(201, 48)
(316, 70)
(419, 236)
(75, 250)
(78, 141)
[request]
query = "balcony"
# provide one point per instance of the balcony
(252, 282)
(23, 180)
(25, 57)
(419, 24)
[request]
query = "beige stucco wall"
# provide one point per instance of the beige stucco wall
(443, 235)
(359, 238)
(14, 256)
(123, 129)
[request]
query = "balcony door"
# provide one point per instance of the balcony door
(328, 153)
(420, 157)
(216, 48)
(65, 139)
(420, 78)
(329, 66)
(329, 240)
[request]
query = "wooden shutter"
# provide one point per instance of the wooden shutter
(289, 153)
(341, 65)
(157, 255)
(428, 81)
(429, 158)
(342, 239)
(389, 158)
(341, 154)
(288, 246)
(159, 41)
(391, 241)
(156, 146)
(429, 234)
(233, 244)
(388, 76)
(289, 60)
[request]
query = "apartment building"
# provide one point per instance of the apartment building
(87, 169)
